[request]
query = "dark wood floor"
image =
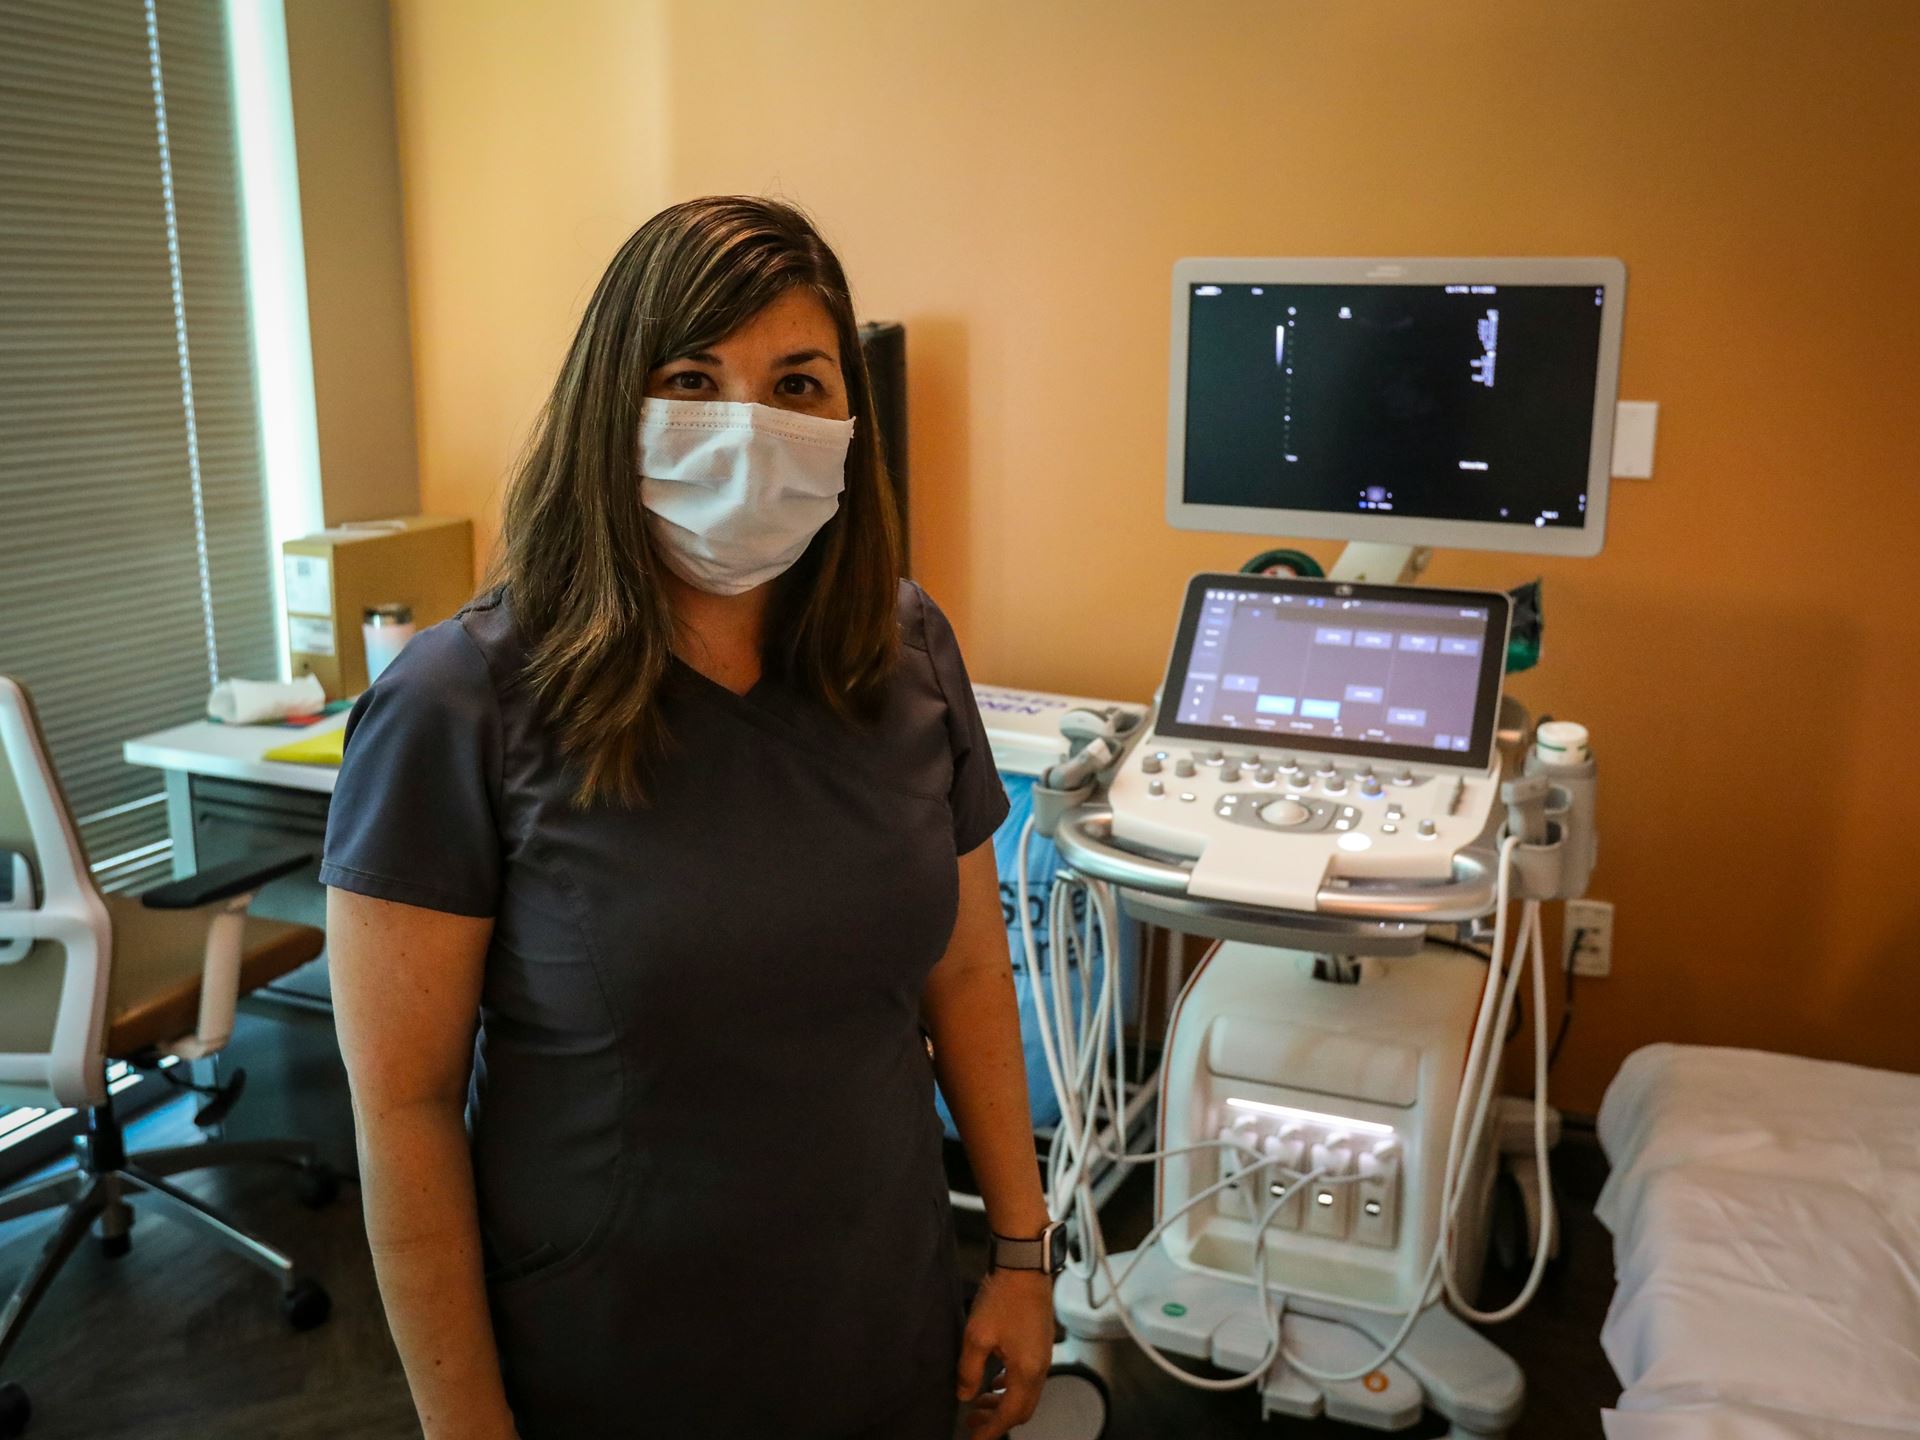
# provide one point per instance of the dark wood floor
(179, 1339)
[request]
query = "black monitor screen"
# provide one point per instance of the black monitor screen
(1448, 402)
(1374, 670)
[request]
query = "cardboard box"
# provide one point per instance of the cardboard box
(424, 561)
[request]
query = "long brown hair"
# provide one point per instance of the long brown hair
(581, 571)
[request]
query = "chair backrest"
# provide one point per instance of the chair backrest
(53, 1000)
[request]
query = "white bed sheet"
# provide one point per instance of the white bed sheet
(1734, 1422)
(1766, 1220)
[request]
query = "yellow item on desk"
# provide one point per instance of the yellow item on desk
(326, 749)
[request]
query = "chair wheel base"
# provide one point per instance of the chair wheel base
(113, 1247)
(306, 1305)
(318, 1185)
(15, 1411)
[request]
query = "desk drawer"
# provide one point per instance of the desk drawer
(232, 820)
(277, 800)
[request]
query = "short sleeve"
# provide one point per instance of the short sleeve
(978, 799)
(415, 811)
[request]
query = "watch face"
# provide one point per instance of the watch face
(1053, 1247)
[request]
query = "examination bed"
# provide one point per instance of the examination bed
(1766, 1219)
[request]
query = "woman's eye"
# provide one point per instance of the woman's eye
(800, 385)
(687, 380)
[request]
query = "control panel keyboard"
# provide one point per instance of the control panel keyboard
(1271, 827)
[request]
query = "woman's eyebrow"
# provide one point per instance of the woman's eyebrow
(801, 357)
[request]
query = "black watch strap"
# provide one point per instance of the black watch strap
(1046, 1252)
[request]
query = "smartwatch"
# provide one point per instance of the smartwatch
(1046, 1253)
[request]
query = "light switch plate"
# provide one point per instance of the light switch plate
(1634, 425)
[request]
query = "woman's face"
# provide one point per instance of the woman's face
(786, 356)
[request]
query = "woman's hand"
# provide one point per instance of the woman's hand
(1012, 1318)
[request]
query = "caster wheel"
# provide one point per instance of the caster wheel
(318, 1185)
(1073, 1406)
(1510, 1243)
(306, 1305)
(114, 1246)
(15, 1411)
(1514, 1226)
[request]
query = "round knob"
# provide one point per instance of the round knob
(1216, 755)
(1264, 775)
(1150, 765)
(1155, 787)
(1229, 773)
(1364, 770)
(1328, 769)
(1285, 812)
(1287, 762)
(1183, 767)
(1405, 777)
(1336, 784)
(1428, 829)
(1370, 786)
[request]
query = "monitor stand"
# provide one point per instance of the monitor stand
(1364, 562)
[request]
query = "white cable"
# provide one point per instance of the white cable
(1032, 959)
(1542, 1166)
(1269, 1315)
(1070, 1164)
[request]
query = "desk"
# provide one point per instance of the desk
(224, 802)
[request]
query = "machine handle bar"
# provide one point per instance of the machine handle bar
(1084, 838)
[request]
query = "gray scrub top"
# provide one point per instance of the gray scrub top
(704, 1143)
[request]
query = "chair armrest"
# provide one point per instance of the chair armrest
(223, 882)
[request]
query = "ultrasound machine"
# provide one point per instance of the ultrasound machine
(1332, 787)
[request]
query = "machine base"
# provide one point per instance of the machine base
(1443, 1364)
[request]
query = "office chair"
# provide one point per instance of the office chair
(87, 978)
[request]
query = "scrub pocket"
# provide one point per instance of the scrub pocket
(555, 1315)
(523, 1268)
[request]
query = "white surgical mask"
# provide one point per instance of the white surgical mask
(735, 491)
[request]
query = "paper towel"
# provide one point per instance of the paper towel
(247, 702)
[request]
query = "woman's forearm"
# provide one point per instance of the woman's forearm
(417, 1184)
(974, 1019)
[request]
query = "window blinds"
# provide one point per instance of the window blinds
(134, 549)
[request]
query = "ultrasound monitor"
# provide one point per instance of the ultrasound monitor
(1414, 402)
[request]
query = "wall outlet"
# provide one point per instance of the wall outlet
(1590, 923)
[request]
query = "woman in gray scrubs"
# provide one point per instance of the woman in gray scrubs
(648, 869)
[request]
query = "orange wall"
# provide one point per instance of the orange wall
(1014, 181)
